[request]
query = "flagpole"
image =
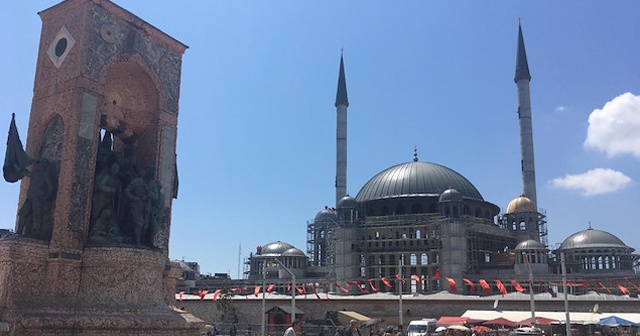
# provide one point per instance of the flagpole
(400, 289)
(532, 298)
(563, 267)
(264, 304)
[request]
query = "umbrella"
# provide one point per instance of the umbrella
(480, 329)
(500, 321)
(539, 321)
(458, 327)
(439, 329)
(371, 322)
(614, 321)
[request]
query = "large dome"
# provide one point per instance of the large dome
(276, 248)
(591, 238)
(521, 204)
(416, 178)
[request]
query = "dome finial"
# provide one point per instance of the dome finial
(415, 154)
(590, 228)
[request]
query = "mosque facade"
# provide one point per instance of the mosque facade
(429, 226)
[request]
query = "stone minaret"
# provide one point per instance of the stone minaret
(522, 80)
(342, 103)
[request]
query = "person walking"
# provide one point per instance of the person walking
(400, 332)
(353, 329)
(296, 327)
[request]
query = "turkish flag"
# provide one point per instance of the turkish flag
(436, 276)
(472, 286)
(373, 288)
(256, 290)
(501, 287)
(452, 285)
(386, 282)
(485, 286)
(517, 286)
(215, 294)
(416, 278)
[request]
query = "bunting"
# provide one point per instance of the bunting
(256, 290)
(417, 279)
(632, 284)
(315, 290)
(270, 288)
(202, 294)
(501, 287)
(386, 282)
(326, 291)
(452, 285)
(517, 286)
(606, 289)
(436, 275)
(400, 278)
(181, 294)
(622, 288)
(472, 286)
(586, 284)
(373, 288)
(485, 286)
(341, 288)
(215, 294)
(547, 289)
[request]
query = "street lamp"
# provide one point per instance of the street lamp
(532, 299)
(293, 289)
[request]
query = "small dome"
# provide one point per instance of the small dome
(591, 238)
(450, 195)
(293, 252)
(530, 245)
(521, 204)
(347, 202)
(326, 215)
(276, 248)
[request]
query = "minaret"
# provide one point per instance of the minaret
(342, 103)
(522, 80)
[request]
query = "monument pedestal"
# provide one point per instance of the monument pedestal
(98, 291)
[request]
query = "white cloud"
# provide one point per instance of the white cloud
(615, 129)
(594, 182)
(560, 109)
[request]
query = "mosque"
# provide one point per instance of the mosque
(424, 222)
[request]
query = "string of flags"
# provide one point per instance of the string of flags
(619, 286)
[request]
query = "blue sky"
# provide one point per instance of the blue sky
(256, 133)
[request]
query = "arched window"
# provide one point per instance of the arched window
(523, 226)
(424, 259)
(392, 260)
(418, 234)
(413, 259)
(381, 260)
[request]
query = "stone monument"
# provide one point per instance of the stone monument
(90, 253)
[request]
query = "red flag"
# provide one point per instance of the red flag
(622, 288)
(341, 288)
(315, 290)
(288, 287)
(400, 278)
(359, 285)
(326, 291)
(373, 288)
(215, 294)
(203, 294)
(517, 286)
(485, 286)
(547, 289)
(632, 284)
(236, 290)
(300, 289)
(501, 287)
(256, 290)
(417, 278)
(270, 288)
(606, 289)
(472, 286)
(181, 293)
(452, 285)
(436, 276)
(386, 282)
(584, 283)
